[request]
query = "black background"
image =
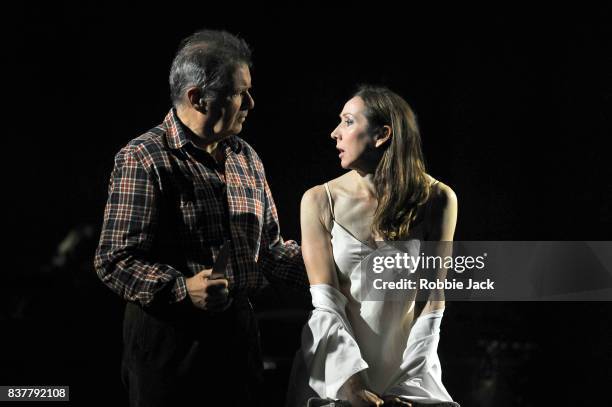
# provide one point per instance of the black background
(515, 113)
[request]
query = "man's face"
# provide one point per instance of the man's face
(231, 109)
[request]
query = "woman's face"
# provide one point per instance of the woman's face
(353, 138)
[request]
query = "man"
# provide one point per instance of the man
(185, 196)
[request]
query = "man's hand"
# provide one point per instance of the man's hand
(208, 292)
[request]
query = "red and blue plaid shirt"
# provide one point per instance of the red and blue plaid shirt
(169, 212)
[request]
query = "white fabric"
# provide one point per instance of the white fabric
(419, 377)
(329, 355)
(328, 345)
(345, 335)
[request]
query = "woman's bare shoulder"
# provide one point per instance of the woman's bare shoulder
(315, 205)
(441, 192)
(442, 202)
(442, 217)
(315, 197)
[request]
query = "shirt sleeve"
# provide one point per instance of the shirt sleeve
(122, 259)
(281, 261)
(330, 352)
(419, 377)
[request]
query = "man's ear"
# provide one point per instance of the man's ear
(383, 135)
(196, 99)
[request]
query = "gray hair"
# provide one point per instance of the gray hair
(207, 59)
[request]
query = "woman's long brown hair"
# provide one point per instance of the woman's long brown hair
(401, 184)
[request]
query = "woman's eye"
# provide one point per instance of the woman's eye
(348, 122)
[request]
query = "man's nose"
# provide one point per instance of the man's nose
(248, 102)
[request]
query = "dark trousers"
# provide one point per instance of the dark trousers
(180, 355)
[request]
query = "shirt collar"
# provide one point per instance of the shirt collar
(177, 134)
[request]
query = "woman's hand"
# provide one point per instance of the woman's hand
(394, 401)
(364, 398)
(354, 391)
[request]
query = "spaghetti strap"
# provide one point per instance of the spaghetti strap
(329, 198)
(433, 184)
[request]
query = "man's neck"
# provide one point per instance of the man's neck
(197, 134)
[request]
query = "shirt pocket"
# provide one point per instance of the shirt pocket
(202, 215)
(247, 202)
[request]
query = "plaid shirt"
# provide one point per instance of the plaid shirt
(169, 212)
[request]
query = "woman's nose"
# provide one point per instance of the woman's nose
(334, 134)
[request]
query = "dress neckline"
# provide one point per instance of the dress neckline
(348, 232)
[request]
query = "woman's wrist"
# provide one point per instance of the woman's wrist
(354, 384)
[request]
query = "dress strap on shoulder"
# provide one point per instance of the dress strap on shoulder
(433, 184)
(329, 198)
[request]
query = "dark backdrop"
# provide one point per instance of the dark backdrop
(514, 108)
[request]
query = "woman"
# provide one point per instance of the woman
(370, 352)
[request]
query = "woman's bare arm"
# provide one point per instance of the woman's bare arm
(315, 216)
(443, 215)
(443, 220)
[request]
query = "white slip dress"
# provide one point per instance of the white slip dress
(345, 335)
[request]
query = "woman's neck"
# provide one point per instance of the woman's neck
(365, 183)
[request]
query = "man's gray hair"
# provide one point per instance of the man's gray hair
(207, 59)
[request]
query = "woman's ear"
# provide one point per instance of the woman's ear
(383, 135)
